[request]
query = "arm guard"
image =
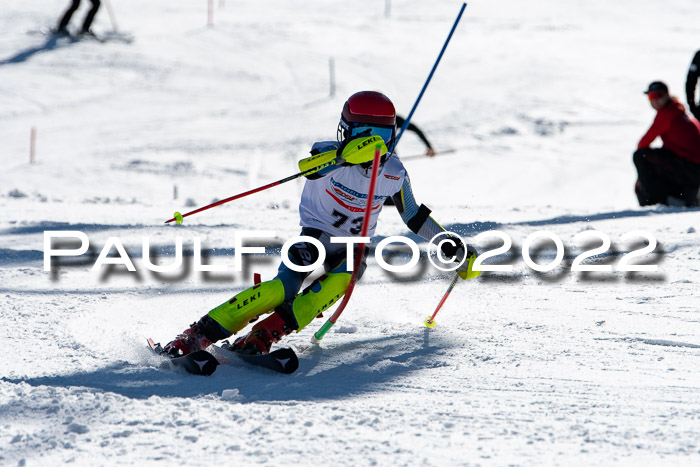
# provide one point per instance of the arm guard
(417, 218)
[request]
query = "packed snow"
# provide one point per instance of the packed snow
(542, 104)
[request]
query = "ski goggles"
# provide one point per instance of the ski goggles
(654, 95)
(362, 130)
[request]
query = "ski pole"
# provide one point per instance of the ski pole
(430, 321)
(178, 217)
(430, 76)
(112, 18)
(360, 251)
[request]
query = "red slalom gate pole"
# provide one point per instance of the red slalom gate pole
(360, 252)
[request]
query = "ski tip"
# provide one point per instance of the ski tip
(200, 362)
(282, 360)
(155, 347)
(287, 360)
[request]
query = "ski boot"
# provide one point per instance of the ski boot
(199, 336)
(260, 339)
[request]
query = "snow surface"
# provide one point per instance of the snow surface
(542, 102)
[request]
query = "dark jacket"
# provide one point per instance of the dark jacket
(691, 83)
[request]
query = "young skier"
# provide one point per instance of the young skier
(332, 204)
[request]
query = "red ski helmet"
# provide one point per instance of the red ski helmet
(368, 113)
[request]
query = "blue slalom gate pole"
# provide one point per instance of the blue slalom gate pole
(430, 76)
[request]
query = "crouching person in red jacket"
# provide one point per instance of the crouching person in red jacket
(673, 170)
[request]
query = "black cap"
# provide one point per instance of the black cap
(657, 86)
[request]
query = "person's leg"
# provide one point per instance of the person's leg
(91, 15)
(680, 177)
(688, 175)
(228, 318)
(657, 172)
(63, 24)
(246, 307)
(297, 312)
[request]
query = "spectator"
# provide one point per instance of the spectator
(691, 84)
(669, 174)
(63, 25)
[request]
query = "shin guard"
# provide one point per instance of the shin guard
(319, 296)
(248, 305)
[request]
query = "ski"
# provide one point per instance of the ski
(200, 362)
(203, 363)
(282, 360)
(72, 36)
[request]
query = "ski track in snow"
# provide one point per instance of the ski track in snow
(543, 105)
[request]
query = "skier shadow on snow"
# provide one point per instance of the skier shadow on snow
(376, 366)
(52, 42)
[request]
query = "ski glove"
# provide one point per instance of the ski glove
(357, 151)
(455, 249)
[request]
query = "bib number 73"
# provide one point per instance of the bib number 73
(341, 219)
